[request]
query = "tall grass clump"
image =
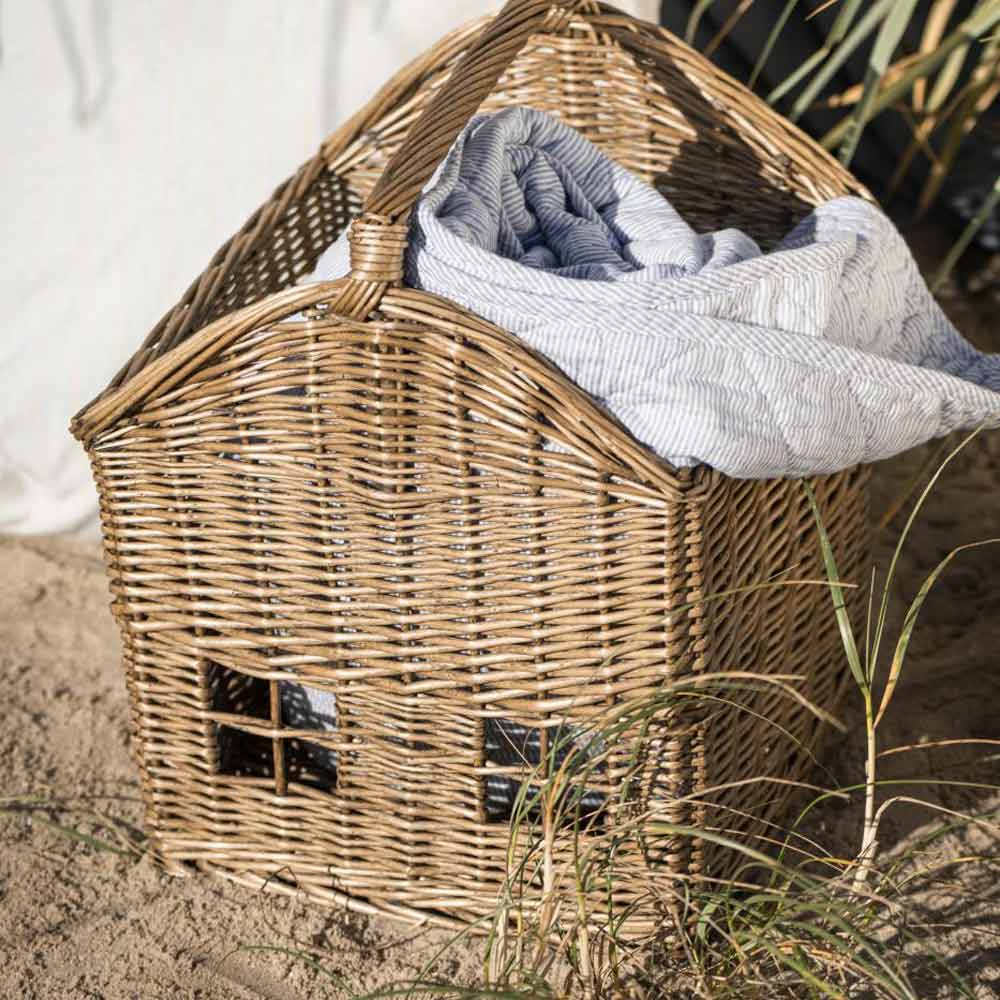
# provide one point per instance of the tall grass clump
(939, 86)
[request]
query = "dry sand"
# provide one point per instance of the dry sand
(76, 922)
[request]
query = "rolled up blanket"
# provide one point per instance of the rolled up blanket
(827, 352)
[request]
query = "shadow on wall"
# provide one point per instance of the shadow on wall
(92, 80)
(336, 27)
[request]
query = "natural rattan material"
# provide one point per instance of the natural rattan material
(353, 486)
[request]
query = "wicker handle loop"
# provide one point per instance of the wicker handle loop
(377, 248)
(378, 236)
(457, 100)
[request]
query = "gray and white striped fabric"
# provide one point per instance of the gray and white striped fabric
(826, 352)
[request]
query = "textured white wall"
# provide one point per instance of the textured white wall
(139, 137)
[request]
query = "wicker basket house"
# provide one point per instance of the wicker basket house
(353, 486)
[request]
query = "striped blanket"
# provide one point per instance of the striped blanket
(824, 353)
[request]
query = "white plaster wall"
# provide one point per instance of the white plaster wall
(138, 136)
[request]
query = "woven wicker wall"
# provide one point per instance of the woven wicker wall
(414, 512)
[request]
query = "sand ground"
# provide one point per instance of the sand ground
(77, 922)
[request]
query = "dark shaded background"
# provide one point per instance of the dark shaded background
(887, 136)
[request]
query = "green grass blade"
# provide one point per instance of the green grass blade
(697, 13)
(886, 42)
(868, 624)
(911, 620)
(902, 498)
(840, 25)
(890, 576)
(869, 21)
(960, 123)
(435, 989)
(772, 39)
(802, 971)
(975, 224)
(845, 17)
(727, 27)
(945, 81)
(837, 593)
(983, 18)
(73, 834)
(793, 78)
